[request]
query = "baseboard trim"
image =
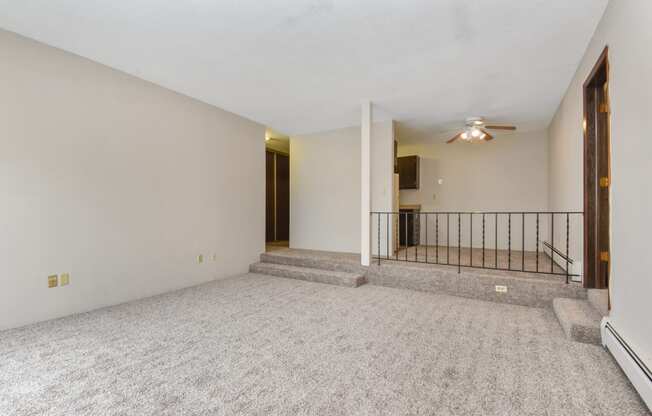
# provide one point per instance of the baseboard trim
(635, 369)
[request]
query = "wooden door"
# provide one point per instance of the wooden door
(597, 176)
(269, 197)
(282, 197)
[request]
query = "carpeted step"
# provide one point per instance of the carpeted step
(339, 262)
(309, 274)
(473, 283)
(580, 321)
(599, 299)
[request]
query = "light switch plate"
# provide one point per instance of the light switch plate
(200, 258)
(64, 279)
(214, 257)
(53, 281)
(501, 289)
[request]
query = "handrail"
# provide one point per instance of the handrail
(506, 253)
(557, 252)
(481, 212)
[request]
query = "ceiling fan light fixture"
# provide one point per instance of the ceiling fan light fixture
(475, 131)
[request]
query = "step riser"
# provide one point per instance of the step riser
(313, 263)
(534, 292)
(483, 287)
(580, 323)
(261, 268)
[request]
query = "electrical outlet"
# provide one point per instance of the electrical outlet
(501, 289)
(64, 279)
(200, 258)
(53, 281)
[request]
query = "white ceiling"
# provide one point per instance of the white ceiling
(302, 66)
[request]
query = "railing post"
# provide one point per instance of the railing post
(523, 242)
(471, 242)
(567, 244)
(509, 241)
(426, 237)
(398, 233)
(537, 243)
(448, 239)
(437, 238)
(459, 243)
(496, 241)
(416, 215)
(552, 242)
(407, 245)
(483, 240)
(388, 239)
(378, 239)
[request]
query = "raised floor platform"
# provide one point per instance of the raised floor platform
(535, 290)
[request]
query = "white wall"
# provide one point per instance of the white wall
(325, 186)
(382, 183)
(625, 27)
(117, 181)
(509, 173)
(325, 191)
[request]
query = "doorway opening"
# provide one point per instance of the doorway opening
(597, 175)
(277, 191)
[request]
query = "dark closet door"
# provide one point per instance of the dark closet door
(282, 197)
(269, 196)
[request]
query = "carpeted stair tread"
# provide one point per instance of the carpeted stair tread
(315, 260)
(579, 320)
(309, 274)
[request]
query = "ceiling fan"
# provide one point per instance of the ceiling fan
(475, 131)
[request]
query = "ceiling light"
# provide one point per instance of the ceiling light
(475, 133)
(464, 136)
(483, 135)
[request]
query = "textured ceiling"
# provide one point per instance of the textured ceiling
(302, 66)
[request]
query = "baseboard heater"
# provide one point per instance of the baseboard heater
(635, 369)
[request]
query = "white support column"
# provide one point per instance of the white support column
(365, 183)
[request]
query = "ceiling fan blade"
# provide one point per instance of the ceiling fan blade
(454, 138)
(488, 135)
(500, 127)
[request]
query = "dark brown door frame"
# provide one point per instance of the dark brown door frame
(597, 175)
(274, 191)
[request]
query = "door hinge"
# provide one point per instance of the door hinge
(604, 182)
(603, 108)
(604, 256)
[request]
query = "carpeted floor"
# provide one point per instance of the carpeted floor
(260, 345)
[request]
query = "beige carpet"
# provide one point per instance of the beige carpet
(257, 345)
